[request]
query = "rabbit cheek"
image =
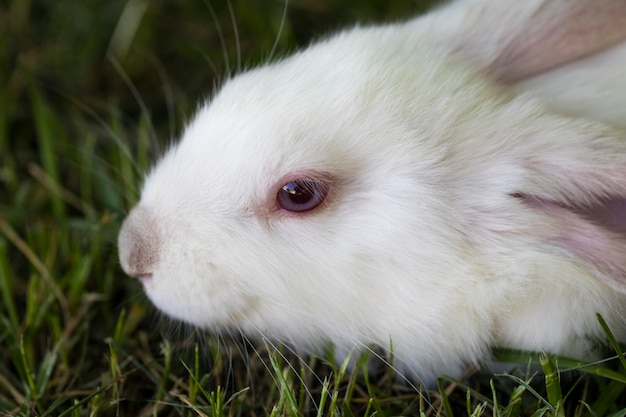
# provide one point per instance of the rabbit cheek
(203, 295)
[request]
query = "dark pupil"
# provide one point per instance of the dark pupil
(298, 192)
(301, 195)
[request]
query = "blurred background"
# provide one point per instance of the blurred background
(169, 52)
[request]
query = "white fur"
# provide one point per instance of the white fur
(423, 241)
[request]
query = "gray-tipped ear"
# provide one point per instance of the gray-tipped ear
(515, 40)
(579, 188)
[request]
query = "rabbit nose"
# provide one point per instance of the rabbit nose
(139, 244)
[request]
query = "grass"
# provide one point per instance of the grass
(89, 94)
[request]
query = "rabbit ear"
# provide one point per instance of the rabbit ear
(579, 190)
(531, 37)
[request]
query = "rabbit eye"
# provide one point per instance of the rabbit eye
(302, 195)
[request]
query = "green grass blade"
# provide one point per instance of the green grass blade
(6, 288)
(553, 384)
(47, 151)
(614, 344)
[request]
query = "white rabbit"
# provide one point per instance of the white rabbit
(446, 185)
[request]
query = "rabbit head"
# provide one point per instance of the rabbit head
(391, 184)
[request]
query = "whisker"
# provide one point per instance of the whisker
(357, 342)
(168, 95)
(220, 35)
(121, 143)
(135, 92)
(276, 350)
(236, 32)
(281, 28)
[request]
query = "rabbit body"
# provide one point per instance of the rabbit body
(468, 206)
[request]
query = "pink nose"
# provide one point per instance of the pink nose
(139, 244)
